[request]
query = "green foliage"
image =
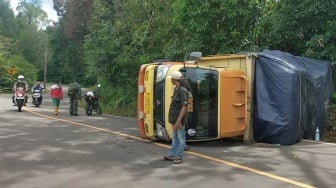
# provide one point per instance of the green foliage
(30, 12)
(302, 27)
(24, 36)
(6, 46)
(106, 41)
(221, 26)
(333, 99)
(21, 66)
(7, 20)
(67, 39)
(118, 100)
(9, 60)
(66, 64)
(122, 35)
(322, 45)
(305, 28)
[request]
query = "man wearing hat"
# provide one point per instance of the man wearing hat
(177, 117)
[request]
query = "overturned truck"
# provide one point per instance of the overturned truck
(270, 96)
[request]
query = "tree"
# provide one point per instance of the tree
(122, 31)
(7, 20)
(217, 26)
(59, 6)
(302, 27)
(123, 35)
(67, 39)
(17, 47)
(30, 12)
(107, 40)
(5, 45)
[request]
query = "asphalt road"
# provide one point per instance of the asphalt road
(41, 150)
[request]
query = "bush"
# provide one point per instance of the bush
(333, 99)
(118, 100)
(21, 66)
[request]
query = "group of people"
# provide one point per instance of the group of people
(74, 92)
(23, 84)
(177, 112)
(56, 93)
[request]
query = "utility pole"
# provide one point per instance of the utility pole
(45, 66)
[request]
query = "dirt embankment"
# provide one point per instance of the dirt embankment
(330, 132)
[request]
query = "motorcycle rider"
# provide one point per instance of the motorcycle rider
(74, 92)
(38, 87)
(20, 83)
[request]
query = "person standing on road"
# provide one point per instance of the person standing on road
(74, 92)
(177, 117)
(56, 92)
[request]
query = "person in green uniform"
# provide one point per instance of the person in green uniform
(74, 92)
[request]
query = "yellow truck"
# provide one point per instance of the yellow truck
(269, 96)
(220, 97)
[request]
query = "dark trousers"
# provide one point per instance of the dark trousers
(73, 106)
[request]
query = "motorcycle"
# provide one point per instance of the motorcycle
(19, 97)
(37, 97)
(92, 103)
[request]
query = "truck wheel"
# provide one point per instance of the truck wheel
(19, 105)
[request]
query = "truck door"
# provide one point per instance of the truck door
(149, 101)
(233, 103)
(160, 104)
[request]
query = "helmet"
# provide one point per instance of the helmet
(20, 78)
(177, 75)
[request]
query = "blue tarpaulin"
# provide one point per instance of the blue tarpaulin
(291, 95)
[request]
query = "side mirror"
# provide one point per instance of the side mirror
(195, 56)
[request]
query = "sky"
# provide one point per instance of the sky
(47, 6)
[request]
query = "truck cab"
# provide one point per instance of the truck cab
(218, 98)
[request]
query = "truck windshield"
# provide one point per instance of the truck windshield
(203, 119)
